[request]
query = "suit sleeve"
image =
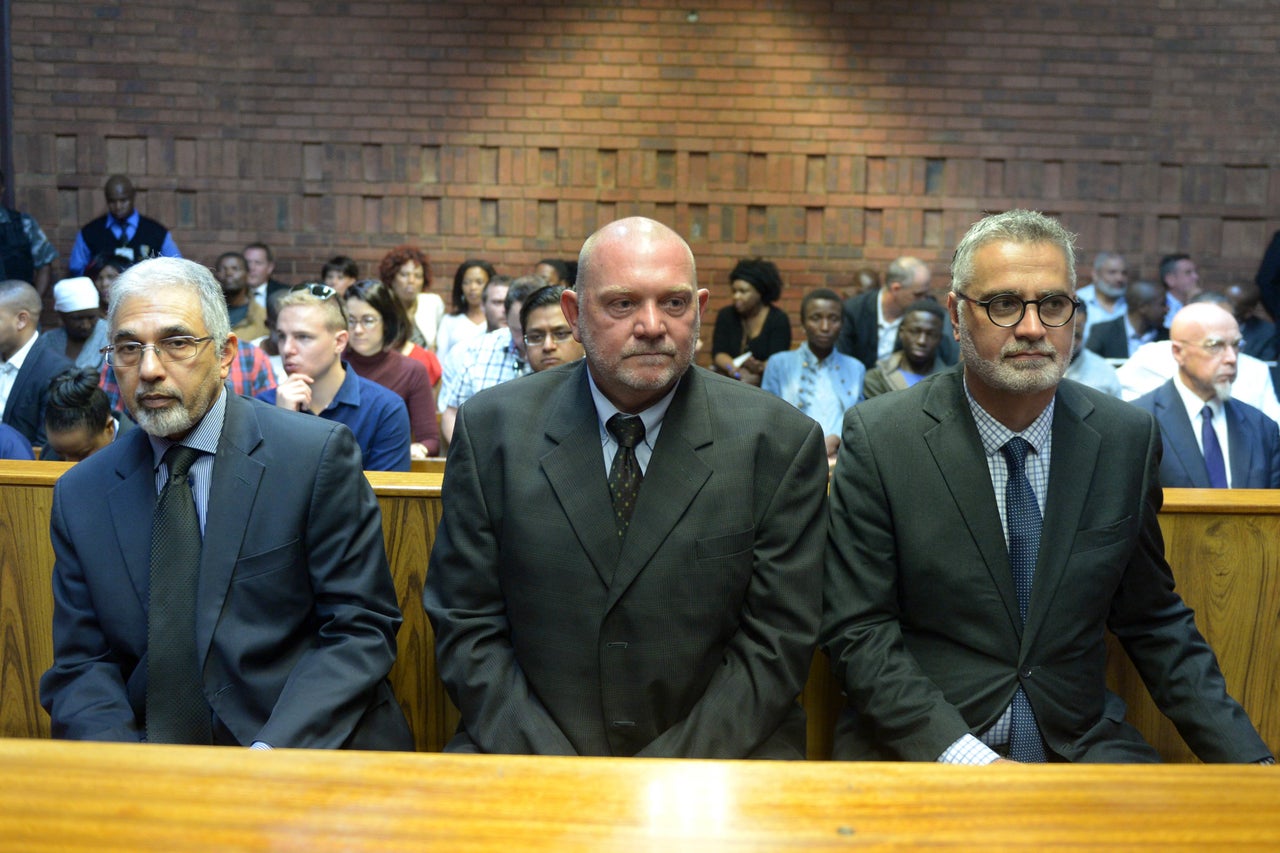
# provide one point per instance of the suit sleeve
(861, 629)
(1159, 634)
(84, 691)
(767, 659)
(1271, 447)
(1268, 278)
(330, 687)
(463, 599)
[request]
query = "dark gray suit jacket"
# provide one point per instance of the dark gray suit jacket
(860, 332)
(921, 617)
(296, 613)
(1253, 443)
(24, 410)
(692, 638)
(1110, 338)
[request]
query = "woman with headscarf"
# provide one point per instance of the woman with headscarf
(750, 329)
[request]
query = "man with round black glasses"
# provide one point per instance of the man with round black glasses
(989, 524)
(235, 589)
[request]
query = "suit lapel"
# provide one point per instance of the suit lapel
(1075, 455)
(968, 478)
(135, 490)
(234, 485)
(1239, 448)
(1171, 414)
(575, 470)
(675, 475)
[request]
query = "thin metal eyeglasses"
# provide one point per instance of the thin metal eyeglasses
(1216, 346)
(168, 350)
(368, 321)
(1007, 310)
(537, 339)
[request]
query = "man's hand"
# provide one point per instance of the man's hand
(833, 444)
(294, 393)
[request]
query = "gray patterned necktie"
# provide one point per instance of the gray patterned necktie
(177, 711)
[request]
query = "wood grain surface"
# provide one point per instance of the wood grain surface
(81, 796)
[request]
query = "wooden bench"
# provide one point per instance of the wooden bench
(1224, 546)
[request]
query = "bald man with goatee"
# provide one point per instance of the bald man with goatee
(1210, 440)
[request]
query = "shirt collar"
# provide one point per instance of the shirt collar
(129, 223)
(651, 416)
(1193, 403)
(995, 435)
(17, 359)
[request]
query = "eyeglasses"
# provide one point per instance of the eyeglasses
(319, 291)
(368, 321)
(1007, 310)
(538, 338)
(168, 350)
(1216, 346)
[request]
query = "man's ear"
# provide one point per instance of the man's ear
(569, 306)
(953, 309)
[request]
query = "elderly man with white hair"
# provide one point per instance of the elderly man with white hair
(83, 333)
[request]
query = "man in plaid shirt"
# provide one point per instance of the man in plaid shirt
(488, 360)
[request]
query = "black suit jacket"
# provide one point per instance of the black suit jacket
(1110, 339)
(30, 393)
(860, 332)
(691, 638)
(920, 613)
(296, 612)
(1253, 443)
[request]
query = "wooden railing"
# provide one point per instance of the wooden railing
(1224, 546)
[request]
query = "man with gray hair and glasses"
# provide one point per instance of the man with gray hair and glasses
(255, 607)
(987, 525)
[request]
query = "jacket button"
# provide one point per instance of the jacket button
(1025, 672)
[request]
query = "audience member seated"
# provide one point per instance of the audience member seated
(1210, 440)
(488, 360)
(1268, 277)
(1104, 297)
(916, 356)
(312, 333)
(1142, 322)
(340, 272)
(376, 322)
(1153, 365)
(863, 280)
(1260, 339)
(1181, 278)
(406, 271)
(104, 270)
(750, 329)
(78, 419)
(25, 252)
(466, 317)
(261, 263)
(83, 332)
(248, 318)
(249, 374)
(548, 337)
(553, 271)
(27, 362)
(815, 378)
(14, 445)
(1087, 367)
(871, 319)
(122, 231)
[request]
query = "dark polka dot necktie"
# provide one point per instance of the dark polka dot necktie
(624, 474)
(1022, 515)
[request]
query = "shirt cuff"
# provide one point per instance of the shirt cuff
(968, 750)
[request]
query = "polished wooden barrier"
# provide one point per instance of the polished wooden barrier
(67, 796)
(1224, 546)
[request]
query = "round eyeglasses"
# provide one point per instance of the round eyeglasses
(1007, 310)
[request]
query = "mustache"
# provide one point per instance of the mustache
(668, 349)
(157, 388)
(1040, 347)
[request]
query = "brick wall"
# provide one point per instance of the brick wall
(824, 135)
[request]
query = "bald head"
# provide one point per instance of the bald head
(635, 308)
(119, 193)
(1206, 344)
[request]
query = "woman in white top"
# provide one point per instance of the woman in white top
(465, 319)
(405, 270)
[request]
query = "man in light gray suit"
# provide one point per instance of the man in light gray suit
(598, 589)
(988, 524)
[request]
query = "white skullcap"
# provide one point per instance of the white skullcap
(75, 294)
